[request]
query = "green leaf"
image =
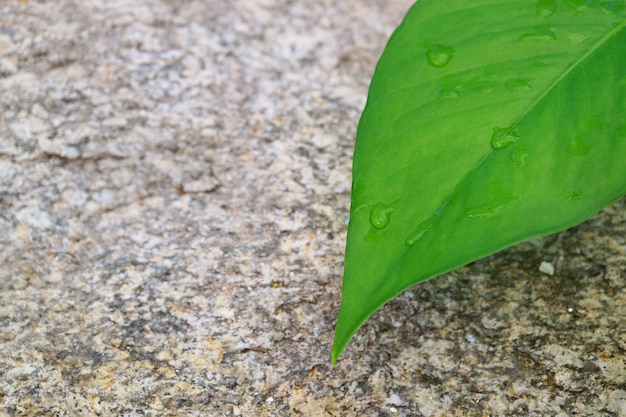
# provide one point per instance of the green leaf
(487, 123)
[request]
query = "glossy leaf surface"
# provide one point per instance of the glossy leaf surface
(487, 123)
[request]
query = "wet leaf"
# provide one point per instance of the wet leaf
(487, 123)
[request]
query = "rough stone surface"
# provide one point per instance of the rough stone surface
(174, 190)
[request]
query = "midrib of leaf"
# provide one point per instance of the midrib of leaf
(530, 108)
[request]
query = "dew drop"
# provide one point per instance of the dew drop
(379, 215)
(517, 84)
(501, 138)
(439, 55)
(577, 38)
(488, 210)
(481, 212)
(545, 7)
(448, 92)
(417, 235)
(573, 194)
(518, 155)
(538, 34)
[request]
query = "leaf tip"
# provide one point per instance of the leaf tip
(336, 352)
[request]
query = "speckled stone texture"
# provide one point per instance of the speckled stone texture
(174, 191)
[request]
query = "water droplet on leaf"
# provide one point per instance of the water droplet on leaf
(501, 138)
(573, 194)
(419, 232)
(517, 84)
(481, 212)
(379, 215)
(491, 201)
(439, 55)
(538, 34)
(448, 92)
(577, 38)
(518, 155)
(545, 7)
